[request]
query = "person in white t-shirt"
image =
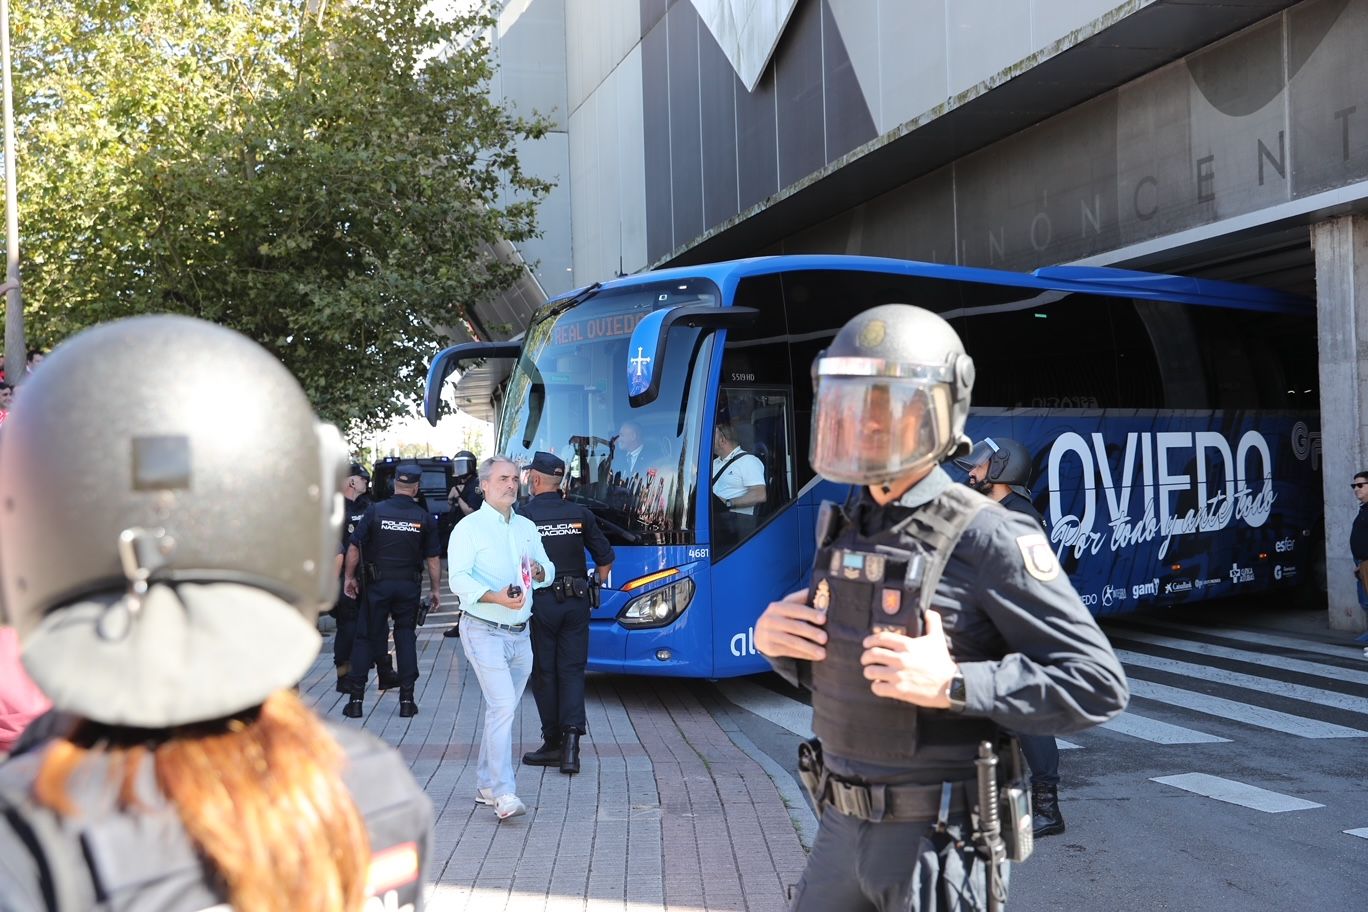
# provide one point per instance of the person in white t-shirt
(738, 481)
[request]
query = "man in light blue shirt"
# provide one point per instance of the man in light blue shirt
(494, 559)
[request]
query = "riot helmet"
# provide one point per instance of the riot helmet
(891, 395)
(160, 571)
(1006, 461)
(463, 464)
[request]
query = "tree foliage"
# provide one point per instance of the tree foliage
(306, 173)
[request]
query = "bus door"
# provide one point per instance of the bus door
(754, 547)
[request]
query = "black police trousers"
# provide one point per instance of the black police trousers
(397, 599)
(1042, 756)
(560, 650)
(861, 866)
(347, 613)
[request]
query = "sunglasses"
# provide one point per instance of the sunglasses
(1358, 484)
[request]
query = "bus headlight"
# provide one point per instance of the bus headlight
(658, 607)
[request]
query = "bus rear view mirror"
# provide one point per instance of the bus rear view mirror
(646, 353)
(451, 361)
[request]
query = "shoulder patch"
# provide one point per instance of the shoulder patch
(1038, 557)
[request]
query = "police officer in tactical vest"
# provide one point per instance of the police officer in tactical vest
(398, 537)
(560, 612)
(935, 620)
(1000, 469)
(347, 608)
(181, 771)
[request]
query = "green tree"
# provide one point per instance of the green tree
(310, 174)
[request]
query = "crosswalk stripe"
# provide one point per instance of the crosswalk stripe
(1241, 712)
(1361, 832)
(1240, 679)
(1301, 666)
(1232, 792)
(1128, 723)
(765, 703)
(1264, 639)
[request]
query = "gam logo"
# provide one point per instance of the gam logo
(1150, 588)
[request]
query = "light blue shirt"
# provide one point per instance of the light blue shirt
(487, 552)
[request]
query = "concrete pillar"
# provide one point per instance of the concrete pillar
(1341, 247)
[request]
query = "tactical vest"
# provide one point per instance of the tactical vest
(886, 580)
(561, 527)
(112, 861)
(395, 543)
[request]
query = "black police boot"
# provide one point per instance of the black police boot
(342, 671)
(407, 706)
(354, 706)
(548, 754)
(1045, 817)
(569, 752)
(384, 668)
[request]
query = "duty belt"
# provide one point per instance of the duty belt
(388, 574)
(879, 801)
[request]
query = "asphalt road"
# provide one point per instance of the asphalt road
(1234, 780)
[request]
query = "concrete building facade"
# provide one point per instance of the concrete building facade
(1206, 137)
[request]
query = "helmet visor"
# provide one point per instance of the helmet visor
(868, 430)
(981, 453)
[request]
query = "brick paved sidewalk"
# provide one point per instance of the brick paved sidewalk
(668, 812)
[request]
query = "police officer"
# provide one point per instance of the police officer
(189, 774)
(560, 612)
(465, 498)
(344, 611)
(1000, 468)
(934, 620)
(397, 537)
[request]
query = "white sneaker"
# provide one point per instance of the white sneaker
(509, 806)
(484, 796)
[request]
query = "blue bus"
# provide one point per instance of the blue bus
(1173, 424)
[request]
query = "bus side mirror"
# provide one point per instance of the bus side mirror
(450, 361)
(646, 353)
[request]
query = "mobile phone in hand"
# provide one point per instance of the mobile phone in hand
(514, 590)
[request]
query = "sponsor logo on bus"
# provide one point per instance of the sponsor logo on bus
(1132, 503)
(1150, 588)
(743, 644)
(1090, 599)
(1112, 594)
(1203, 583)
(1240, 574)
(1282, 572)
(1285, 545)
(1178, 585)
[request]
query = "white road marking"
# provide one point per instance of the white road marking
(1232, 792)
(1266, 639)
(1271, 686)
(1242, 712)
(1067, 745)
(1301, 666)
(1361, 832)
(783, 711)
(1157, 732)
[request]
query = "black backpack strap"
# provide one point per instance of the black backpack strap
(734, 457)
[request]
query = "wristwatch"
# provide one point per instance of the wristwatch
(956, 693)
(728, 503)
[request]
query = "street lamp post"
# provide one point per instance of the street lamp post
(14, 307)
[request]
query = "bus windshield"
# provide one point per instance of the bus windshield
(636, 468)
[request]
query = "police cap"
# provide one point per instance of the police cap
(408, 473)
(548, 464)
(358, 470)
